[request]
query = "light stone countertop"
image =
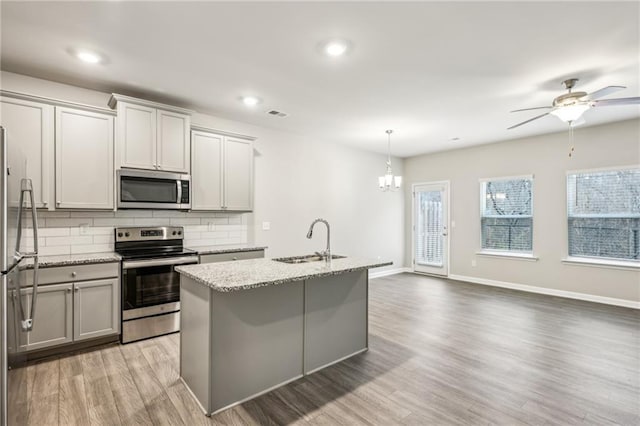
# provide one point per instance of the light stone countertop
(71, 259)
(252, 273)
(227, 248)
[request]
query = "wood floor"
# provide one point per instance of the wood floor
(441, 352)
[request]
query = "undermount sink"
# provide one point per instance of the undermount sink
(306, 259)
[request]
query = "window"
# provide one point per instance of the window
(507, 214)
(603, 211)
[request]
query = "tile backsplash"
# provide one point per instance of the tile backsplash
(70, 232)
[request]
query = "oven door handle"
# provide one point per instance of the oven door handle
(184, 260)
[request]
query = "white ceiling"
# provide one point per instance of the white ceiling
(430, 71)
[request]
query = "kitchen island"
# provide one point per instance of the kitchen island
(250, 326)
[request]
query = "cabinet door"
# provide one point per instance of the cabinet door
(206, 176)
(84, 159)
(95, 309)
(174, 153)
(137, 136)
(29, 127)
(53, 319)
(238, 174)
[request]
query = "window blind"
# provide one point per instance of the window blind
(429, 240)
(603, 211)
(507, 215)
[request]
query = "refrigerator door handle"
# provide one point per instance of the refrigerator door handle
(27, 186)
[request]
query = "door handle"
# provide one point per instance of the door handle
(179, 191)
(27, 186)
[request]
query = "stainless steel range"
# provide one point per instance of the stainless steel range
(150, 285)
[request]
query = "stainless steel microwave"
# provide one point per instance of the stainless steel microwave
(145, 189)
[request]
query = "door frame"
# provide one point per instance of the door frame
(447, 185)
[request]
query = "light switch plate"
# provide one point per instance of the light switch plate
(266, 226)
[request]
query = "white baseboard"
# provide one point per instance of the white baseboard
(549, 291)
(387, 272)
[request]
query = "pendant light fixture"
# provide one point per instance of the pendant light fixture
(389, 182)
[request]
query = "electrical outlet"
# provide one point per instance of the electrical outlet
(266, 226)
(211, 226)
(473, 263)
(84, 228)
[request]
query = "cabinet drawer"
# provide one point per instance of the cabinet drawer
(225, 257)
(72, 273)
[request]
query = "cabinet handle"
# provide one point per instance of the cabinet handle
(68, 290)
(76, 289)
(235, 258)
(73, 274)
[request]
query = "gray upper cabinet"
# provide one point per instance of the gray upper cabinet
(152, 136)
(238, 174)
(137, 136)
(206, 171)
(84, 159)
(29, 128)
(173, 148)
(95, 309)
(222, 172)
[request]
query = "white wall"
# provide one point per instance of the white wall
(297, 178)
(546, 157)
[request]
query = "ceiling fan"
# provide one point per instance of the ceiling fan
(570, 106)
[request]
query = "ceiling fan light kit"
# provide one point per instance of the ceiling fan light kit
(570, 113)
(570, 106)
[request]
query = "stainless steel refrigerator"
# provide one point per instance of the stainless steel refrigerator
(17, 302)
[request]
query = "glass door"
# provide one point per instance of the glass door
(431, 228)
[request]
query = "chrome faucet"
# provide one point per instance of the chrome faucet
(327, 253)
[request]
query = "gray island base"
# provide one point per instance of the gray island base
(250, 326)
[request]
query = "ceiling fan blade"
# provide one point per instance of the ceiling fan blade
(617, 101)
(602, 92)
(530, 109)
(528, 121)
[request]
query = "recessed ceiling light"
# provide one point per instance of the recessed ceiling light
(88, 57)
(335, 48)
(250, 100)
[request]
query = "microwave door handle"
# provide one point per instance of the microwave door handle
(179, 184)
(27, 186)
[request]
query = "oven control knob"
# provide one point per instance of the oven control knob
(174, 232)
(120, 234)
(179, 232)
(126, 234)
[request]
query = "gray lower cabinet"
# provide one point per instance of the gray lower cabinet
(226, 257)
(53, 319)
(95, 309)
(74, 303)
